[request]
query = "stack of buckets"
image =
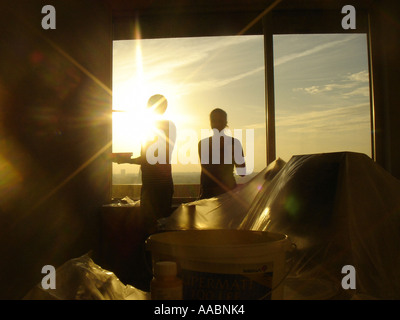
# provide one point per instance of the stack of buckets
(225, 264)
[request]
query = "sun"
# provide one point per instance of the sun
(132, 121)
(131, 129)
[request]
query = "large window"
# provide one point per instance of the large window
(196, 75)
(322, 101)
(300, 88)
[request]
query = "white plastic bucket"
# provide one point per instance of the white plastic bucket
(225, 264)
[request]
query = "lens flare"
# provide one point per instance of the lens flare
(292, 206)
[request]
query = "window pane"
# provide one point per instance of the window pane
(196, 75)
(321, 94)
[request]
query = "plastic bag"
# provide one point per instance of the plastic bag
(82, 279)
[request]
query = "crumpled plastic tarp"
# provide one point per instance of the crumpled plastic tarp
(82, 279)
(227, 211)
(337, 208)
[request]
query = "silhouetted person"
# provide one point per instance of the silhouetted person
(219, 155)
(157, 184)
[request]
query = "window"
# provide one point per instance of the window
(322, 101)
(196, 75)
(302, 87)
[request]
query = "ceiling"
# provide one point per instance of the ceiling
(129, 7)
(182, 18)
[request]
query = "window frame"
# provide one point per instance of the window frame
(290, 22)
(272, 21)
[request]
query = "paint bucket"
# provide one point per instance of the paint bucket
(225, 264)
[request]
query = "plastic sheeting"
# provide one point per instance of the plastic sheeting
(82, 279)
(338, 209)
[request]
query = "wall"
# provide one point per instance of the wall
(385, 52)
(54, 136)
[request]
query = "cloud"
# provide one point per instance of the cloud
(324, 88)
(162, 57)
(293, 56)
(362, 76)
(259, 125)
(330, 119)
(188, 65)
(215, 83)
(362, 91)
(354, 82)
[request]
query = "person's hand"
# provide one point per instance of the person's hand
(121, 158)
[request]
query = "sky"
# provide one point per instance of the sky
(321, 93)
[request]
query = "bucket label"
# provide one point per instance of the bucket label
(217, 286)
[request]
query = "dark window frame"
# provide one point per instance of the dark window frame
(268, 23)
(307, 22)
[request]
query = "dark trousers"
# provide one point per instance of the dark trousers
(155, 203)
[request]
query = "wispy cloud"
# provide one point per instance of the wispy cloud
(362, 91)
(163, 57)
(325, 88)
(330, 119)
(259, 125)
(215, 83)
(362, 76)
(293, 56)
(357, 83)
(188, 65)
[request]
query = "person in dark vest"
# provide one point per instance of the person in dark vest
(219, 155)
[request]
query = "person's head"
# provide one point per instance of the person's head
(158, 103)
(218, 119)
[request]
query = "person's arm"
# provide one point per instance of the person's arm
(137, 160)
(125, 159)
